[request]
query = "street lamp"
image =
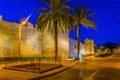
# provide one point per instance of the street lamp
(19, 34)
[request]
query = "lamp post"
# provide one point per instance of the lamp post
(19, 41)
(19, 34)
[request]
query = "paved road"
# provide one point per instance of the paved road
(92, 69)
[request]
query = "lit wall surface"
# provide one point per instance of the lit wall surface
(30, 40)
(33, 43)
(48, 45)
(89, 46)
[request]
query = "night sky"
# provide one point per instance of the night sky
(107, 17)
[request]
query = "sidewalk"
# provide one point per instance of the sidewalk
(19, 75)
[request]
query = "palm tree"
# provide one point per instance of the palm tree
(55, 18)
(82, 17)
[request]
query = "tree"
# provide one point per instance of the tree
(82, 17)
(110, 45)
(55, 18)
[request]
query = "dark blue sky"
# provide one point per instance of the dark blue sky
(107, 17)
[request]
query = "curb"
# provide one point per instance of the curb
(43, 71)
(53, 72)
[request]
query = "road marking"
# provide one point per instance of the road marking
(93, 74)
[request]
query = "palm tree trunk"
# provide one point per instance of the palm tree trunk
(56, 41)
(42, 44)
(78, 42)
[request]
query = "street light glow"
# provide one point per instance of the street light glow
(25, 21)
(20, 30)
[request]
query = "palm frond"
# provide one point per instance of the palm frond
(86, 11)
(46, 2)
(90, 14)
(88, 23)
(65, 6)
(64, 1)
(54, 4)
(79, 11)
(42, 21)
(43, 9)
(66, 20)
(82, 16)
(59, 13)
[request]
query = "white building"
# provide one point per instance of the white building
(73, 48)
(85, 49)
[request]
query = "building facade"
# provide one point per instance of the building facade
(89, 47)
(33, 42)
(73, 48)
